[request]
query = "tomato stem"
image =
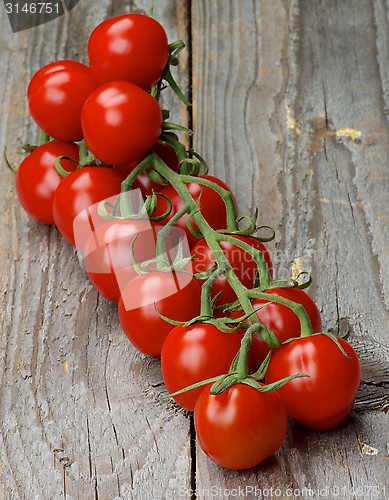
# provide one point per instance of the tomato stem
(206, 289)
(44, 138)
(213, 238)
(242, 365)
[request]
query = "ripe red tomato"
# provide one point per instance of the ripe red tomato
(174, 295)
(107, 254)
(121, 122)
(210, 205)
(241, 427)
(167, 154)
(242, 263)
(190, 355)
(37, 179)
(324, 399)
(131, 48)
(56, 95)
(76, 193)
(280, 319)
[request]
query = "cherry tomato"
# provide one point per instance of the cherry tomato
(167, 154)
(210, 205)
(37, 178)
(77, 193)
(190, 355)
(324, 399)
(107, 254)
(56, 95)
(174, 295)
(121, 122)
(242, 263)
(241, 427)
(280, 319)
(131, 48)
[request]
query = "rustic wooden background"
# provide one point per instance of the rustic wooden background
(290, 107)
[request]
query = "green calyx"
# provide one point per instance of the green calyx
(238, 373)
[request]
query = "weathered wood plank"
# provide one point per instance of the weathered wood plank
(276, 80)
(82, 414)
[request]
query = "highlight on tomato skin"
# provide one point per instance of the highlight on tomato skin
(37, 179)
(130, 122)
(241, 427)
(195, 353)
(56, 95)
(107, 253)
(130, 47)
(79, 192)
(324, 399)
(175, 295)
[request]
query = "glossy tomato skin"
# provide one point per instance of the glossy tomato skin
(241, 427)
(37, 179)
(280, 319)
(79, 191)
(211, 206)
(167, 154)
(56, 95)
(176, 296)
(196, 353)
(129, 122)
(107, 254)
(130, 47)
(324, 399)
(242, 263)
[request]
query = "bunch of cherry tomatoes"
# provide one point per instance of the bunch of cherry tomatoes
(242, 351)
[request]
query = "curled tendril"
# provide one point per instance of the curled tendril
(59, 168)
(189, 166)
(203, 163)
(166, 213)
(267, 238)
(190, 227)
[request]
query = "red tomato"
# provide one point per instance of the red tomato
(167, 154)
(76, 193)
(56, 95)
(131, 48)
(280, 319)
(324, 399)
(121, 122)
(174, 295)
(242, 263)
(241, 427)
(190, 355)
(107, 254)
(211, 206)
(37, 178)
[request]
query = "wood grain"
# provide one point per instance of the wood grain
(82, 415)
(277, 80)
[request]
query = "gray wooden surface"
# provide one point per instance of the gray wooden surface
(290, 107)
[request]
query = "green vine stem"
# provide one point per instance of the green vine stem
(125, 201)
(298, 309)
(206, 289)
(212, 238)
(43, 138)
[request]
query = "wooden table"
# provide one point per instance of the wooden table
(290, 108)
